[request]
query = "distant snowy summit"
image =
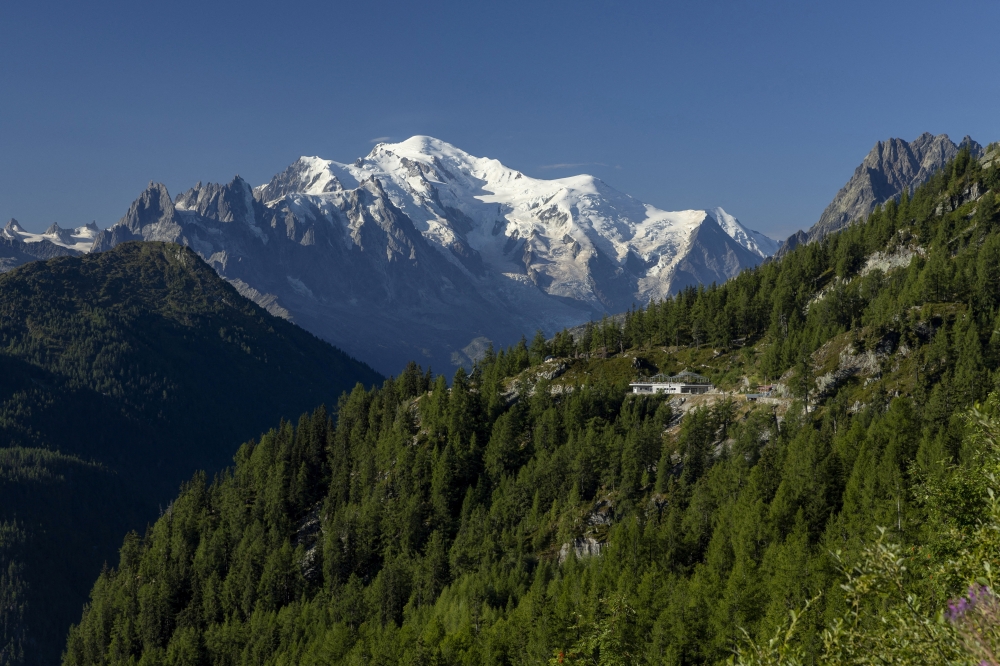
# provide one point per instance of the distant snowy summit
(79, 240)
(422, 251)
(567, 236)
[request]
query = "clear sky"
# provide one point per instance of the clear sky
(764, 108)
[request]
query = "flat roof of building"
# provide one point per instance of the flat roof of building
(680, 378)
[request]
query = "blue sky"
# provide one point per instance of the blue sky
(763, 108)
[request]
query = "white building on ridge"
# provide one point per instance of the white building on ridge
(687, 383)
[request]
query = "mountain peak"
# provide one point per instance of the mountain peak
(972, 145)
(890, 168)
(231, 202)
(419, 145)
(23, 247)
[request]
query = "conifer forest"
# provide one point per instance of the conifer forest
(531, 511)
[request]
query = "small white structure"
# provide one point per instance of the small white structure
(686, 382)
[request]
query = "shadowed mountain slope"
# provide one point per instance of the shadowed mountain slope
(120, 374)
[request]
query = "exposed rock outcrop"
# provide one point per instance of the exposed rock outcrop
(891, 168)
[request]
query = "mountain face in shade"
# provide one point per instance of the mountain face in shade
(422, 251)
(122, 374)
(891, 168)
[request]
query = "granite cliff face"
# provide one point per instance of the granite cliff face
(892, 167)
(422, 251)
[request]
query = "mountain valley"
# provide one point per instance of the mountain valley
(434, 510)
(422, 251)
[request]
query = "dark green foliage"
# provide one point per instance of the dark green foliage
(13, 591)
(931, 602)
(443, 525)
(120, 374)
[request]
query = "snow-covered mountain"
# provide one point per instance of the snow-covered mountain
(79, 240)
(551, 231)
(420, 250)
(18, 247)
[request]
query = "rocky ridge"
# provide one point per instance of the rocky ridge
(890, 168)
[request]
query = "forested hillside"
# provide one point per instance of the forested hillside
(534, 512)
(121, 374)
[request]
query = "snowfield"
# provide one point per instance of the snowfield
(80, 239)
(560, 225)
